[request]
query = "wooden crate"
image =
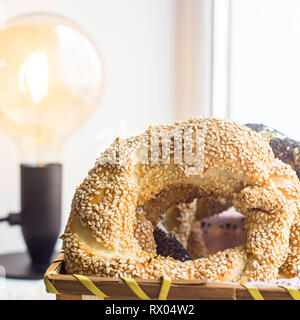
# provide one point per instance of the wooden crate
(68, 287)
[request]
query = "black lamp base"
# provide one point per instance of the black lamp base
(19, 266)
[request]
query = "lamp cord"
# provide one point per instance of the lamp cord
(12, 219)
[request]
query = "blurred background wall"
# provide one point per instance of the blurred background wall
(264, 63)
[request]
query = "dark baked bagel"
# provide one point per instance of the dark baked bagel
(284, 148)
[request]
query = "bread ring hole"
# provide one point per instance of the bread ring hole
(223, 231)
(171, 209)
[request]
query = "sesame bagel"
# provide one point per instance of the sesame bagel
(203, 158)
(286, 150)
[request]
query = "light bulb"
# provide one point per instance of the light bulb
(51, 79)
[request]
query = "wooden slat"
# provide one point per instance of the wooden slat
(177, 291)
(89, 297)
(56, 265)
(270, 293)
(71, 289)
(68, 297)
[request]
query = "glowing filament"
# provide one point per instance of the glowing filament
(33, 76)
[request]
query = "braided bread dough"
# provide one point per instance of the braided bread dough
(230, 161)
(285, 149)
(288, 151)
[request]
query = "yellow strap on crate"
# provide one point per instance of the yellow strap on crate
(256, 295)
(293, 292)
(90, 286)
(49, 286)
(135, 288)
(165, 287)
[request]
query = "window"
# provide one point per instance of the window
(265, 63)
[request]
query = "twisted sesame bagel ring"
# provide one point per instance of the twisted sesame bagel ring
(209, 157)
(286, 150)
